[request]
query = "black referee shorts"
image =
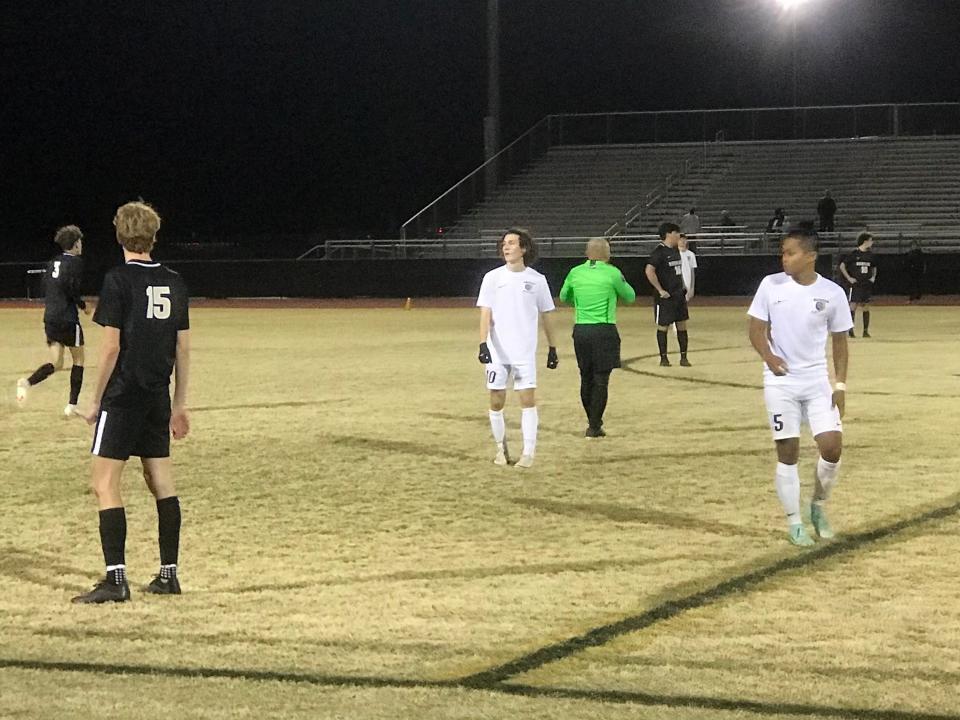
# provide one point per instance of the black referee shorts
(667, 311)
(597, 347)
(142, 430)
(67, 334)
(860, 292)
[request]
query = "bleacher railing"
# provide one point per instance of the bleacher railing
(736, 241)
(679, 126)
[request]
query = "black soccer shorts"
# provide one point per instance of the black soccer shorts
(667, 311)
(597, 347)
(142, 430)
(860, 292)
(67, 334)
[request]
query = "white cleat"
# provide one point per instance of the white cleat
(525, 461)
(23, 387)
(69, 411)
(503, 455)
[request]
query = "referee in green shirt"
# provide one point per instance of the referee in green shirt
(593, 288)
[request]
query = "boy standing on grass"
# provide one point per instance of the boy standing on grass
(61, 323)
(790, 318)
(512, 299)
(144, 311)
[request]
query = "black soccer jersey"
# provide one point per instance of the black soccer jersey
(62, 289)
(149, 304)
(860, 264)
(666, 263)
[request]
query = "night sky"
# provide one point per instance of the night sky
(344, 118)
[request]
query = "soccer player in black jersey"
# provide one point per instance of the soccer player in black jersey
(859, 270)
(144, 311)
(664, 270)
(60, 319)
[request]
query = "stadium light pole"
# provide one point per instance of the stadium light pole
(491, 123)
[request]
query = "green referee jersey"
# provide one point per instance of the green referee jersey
(593, 288)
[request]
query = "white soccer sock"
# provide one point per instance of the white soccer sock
(787, 481)
(826, 478)
(498, 426)
(529, 420)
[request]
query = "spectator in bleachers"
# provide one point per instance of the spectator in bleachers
(826, 209)
(775, 224)
(915, 265)
(690, 223)
(726, 220)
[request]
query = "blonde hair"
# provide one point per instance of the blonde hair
(137, 224)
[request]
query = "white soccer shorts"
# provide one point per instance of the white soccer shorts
(524, 376)
(792, 404)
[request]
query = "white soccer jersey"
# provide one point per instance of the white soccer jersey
(688, 263)
(800, 317)
(516, 300)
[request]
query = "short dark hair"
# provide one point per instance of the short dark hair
(68, 236)
(804, 232)
(863, 237)
(666, 228)
(527, 244)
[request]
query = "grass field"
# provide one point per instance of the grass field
(349, 550)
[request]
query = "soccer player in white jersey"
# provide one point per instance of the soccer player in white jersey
(791, 316)
(512, 300)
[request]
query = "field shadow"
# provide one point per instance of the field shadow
(37, 569)
(647, 516)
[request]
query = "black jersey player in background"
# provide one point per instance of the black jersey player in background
(664, 271)
(61, 322)
(144, 311)
(859, 270)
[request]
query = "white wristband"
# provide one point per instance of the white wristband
(840, 386)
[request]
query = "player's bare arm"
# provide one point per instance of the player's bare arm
(179, 418)
(651, 274)
(843, 271)
(550, 330)
(486, 321)
(759, 331)
(841, 357)
(109, 352)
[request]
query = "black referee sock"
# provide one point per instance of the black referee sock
(76, 382)
(586, 391)
(168, 527)
(866, 320)
(113, 536)
(598, 404)
(662, 342)
(682, 339)
(41, 373)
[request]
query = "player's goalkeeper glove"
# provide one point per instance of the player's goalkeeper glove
(552, 359)
(484, 354)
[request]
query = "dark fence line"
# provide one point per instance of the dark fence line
(717, 275)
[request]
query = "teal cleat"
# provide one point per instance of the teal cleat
(798, 536)
(820, 523)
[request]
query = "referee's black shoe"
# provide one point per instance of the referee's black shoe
(163, 586)
(104, 592)
(664, 361)
(684, 362)
(595, 432)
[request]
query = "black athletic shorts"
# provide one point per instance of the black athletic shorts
(667, 311)
(597, 347)
(860, 292)
(142, 430)
(68, 334)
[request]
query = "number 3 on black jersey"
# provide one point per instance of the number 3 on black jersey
(158, 304)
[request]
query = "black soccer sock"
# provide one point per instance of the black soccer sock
(41, 373)
(682, 339)
(598, 404)
(113, 539)
(168, 529)
(586, 391)
(866, 320)
(76, 382)
(662, 342)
